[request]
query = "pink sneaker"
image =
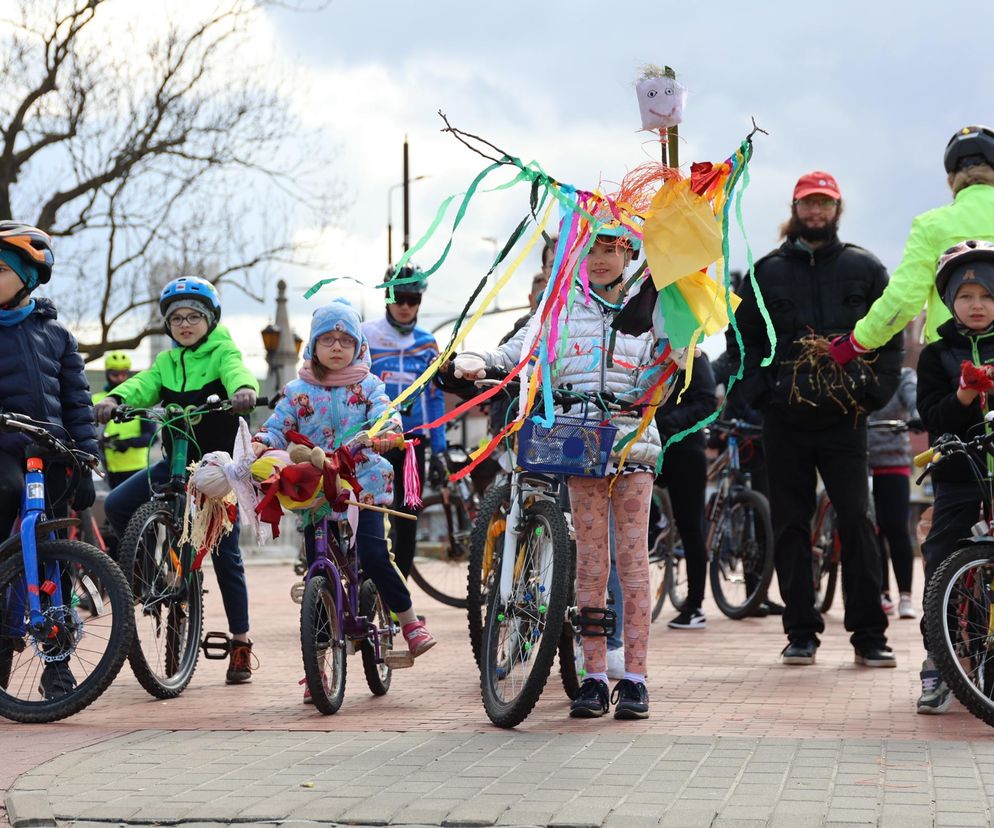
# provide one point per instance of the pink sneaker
(307, 689)
(418, 639)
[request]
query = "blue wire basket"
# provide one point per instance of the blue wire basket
(572, 446)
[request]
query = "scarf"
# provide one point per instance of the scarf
(350, 375)
(402, 327)
(15, 316)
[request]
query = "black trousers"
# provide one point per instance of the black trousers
(684, 473)
(405, 532)
(794, 457)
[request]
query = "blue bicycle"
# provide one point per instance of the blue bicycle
(65, 607)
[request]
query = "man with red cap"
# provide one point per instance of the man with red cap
(814, 413)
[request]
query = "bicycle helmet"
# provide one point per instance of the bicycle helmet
(406, 272)
(950, 273)
(32, 245)
(190, 287)
(970, 145)
(117, 361)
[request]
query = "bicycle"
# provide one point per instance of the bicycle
(530, 617)
(667, 565)
(342, 611)
(165, 575)
(826, 546)
(959, 598)
(65, 607)
(739, 536)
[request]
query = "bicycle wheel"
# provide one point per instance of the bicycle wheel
(169, 603)
(322, 645)
(517, 653)
(378, 674)
(959, 618)
(667, 572)
(742, 553)
(443, 575)
(571, 662)
(90, 608)
(825, 548)
(675, 576)
(486, 542)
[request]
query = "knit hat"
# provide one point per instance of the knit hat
(26, 272)
(976, 272)
(339, 315)
(194, 304)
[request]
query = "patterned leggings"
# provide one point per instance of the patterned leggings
(589, 503)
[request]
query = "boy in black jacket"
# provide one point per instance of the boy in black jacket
(955, 375)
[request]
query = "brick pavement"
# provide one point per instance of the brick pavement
(734, 738)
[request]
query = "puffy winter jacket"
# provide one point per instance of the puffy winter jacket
(41, 375)
(584, 365)
(970, 216)
(822, 291)
(187, 377)
(399, 359)
(885, 448)
(938, 406)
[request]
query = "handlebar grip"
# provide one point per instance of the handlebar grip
(930, 455)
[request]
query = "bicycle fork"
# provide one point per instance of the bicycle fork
(511, 533)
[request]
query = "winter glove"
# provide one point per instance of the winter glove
(112, 444)
(844, 349)
(916, 425)
(85, 493)
(438, 472)
(104, 410)
(243, 400)
(975, 377)
(469, 366)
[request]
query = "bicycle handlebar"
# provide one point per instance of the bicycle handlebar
(124, 413)
(13, 422)
(567, 397)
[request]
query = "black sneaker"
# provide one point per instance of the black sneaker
(632, 700)
(56, 680)
(882, 656)
(689, 619)
(799, 652)
(591, 701)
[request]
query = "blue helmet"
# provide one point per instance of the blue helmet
(190, 287)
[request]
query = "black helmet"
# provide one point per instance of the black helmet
(406, 272)
(970, 145)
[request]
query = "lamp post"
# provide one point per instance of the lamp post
(390, 214)
(281, 351)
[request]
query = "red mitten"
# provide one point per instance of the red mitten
(975, 377)
(844, 349)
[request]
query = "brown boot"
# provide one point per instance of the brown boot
(240, 663)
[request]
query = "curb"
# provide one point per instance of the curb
(30, 809)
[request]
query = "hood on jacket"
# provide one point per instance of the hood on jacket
(339, 315)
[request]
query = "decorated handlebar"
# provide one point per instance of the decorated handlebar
(124, 413)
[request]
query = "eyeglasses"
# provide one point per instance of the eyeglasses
(816, 203)
(190, 319)
(412, 299)
(341, 340)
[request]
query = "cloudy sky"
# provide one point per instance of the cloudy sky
(868, 91)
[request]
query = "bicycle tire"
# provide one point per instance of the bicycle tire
(322, 646)
(744, 556)
(825, 558)
(571, 665)
(542, 568)
(957, 596)
(443, 578)
(169, 605)
(378, 674)
(667, 554)
(485, 545)
(100, 591)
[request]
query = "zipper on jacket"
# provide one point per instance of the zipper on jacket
(182, 364)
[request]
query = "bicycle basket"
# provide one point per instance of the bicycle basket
(572, 446)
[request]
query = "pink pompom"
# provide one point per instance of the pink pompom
(412, 481)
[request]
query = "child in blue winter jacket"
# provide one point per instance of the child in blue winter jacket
(333, 401)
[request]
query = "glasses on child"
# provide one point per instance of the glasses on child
(341, 340)
(190, 319)
(412, 299)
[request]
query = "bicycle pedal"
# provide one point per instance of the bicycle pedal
(216, 645)
(297, 592)
(398, 659)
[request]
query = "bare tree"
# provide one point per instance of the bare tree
(181, 150)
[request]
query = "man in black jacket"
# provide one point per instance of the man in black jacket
(814, 413)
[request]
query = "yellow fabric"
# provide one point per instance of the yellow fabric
(681, 234)
(706, 299)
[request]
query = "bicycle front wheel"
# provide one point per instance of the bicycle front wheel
(322, 645)
(742, 557)
(442, 574)
(169, 604)
(486, 543)
(959, 618)
(522, 634)
(86, 599)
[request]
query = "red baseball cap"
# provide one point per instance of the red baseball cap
(816, 182)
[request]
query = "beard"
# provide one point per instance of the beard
(795, 228)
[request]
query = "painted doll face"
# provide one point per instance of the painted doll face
(661, 102)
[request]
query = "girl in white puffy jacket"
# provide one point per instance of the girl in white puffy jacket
(586, 367)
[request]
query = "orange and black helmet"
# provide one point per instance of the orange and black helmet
(31, 244)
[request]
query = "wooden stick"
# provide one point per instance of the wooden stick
(383, 509)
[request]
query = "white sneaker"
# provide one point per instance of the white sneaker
(616, 663)
(936, 697)
(905, 607)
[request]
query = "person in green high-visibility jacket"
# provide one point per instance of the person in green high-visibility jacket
(969, 163)
(125, 445)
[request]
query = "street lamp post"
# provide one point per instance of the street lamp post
(390, 214)
(281, 351)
